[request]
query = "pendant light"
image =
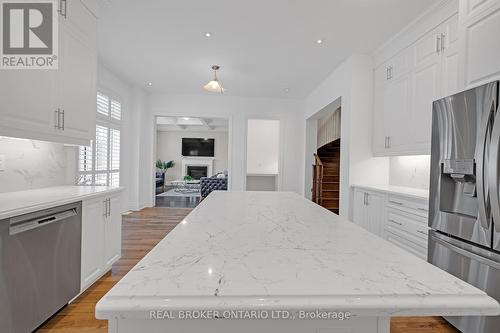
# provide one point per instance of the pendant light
(214, 85)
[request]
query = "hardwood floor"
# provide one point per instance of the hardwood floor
(141, 232)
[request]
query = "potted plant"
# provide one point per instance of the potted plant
(163, 166)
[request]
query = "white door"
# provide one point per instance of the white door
(397, 112)
(113, 231)
(27, 103)
(77, 86)
(379, 133)
(375, 213)
(450, 59)
(92, 241)
(481, 47)
(359, 215)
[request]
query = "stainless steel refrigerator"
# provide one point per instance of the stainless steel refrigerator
(464, 202)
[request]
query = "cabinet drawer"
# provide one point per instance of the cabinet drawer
(417, 207)
(412, 228)
(403, 243)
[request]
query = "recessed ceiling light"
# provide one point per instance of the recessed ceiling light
(186, 118)
(287, 90)
(319, 41)
(150, 84)
(208, 34)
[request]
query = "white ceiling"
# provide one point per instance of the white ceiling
(263, 46)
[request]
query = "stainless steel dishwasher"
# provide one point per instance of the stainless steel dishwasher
(39, 266)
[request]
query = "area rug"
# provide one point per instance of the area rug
(173, 193)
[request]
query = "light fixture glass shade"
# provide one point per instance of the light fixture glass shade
(214, 86)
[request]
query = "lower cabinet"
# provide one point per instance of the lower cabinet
(369, 211)
(101, 237)
(399, 219)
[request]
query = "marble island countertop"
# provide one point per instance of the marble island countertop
(277, 250)
(23, 202)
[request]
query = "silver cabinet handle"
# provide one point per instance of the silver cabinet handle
(423, 209)
(57, 119)
(105, 202)
(395, 222)
(396, 202)
(63, 120)
(63, 8)
(442, 42)
(388, 142)
(109, 207)
(438, 44)
(422, 232)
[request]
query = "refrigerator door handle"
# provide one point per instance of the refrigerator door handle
(484, 217)
(493, 172)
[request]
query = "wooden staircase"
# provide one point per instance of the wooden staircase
(326, 176)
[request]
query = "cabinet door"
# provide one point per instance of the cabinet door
(379, 131)
(358, 213)
(27, 103)
(397, 113)
(375, 213)
(92, 241)
(113, 231)
(426, 83)
(77, 84)
(450, 59)
(481, 47)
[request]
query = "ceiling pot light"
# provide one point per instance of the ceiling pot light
(214, 85)
(208, 34)
(319, 41)
(150, 84)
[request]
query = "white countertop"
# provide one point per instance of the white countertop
(401, 190)
(23, 202)
(277, 250)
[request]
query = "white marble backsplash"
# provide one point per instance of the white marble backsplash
(31, 164)
(410, 171)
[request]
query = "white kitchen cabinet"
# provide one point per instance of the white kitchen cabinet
(368, 210)
(403, 104)
(101, 237)
(92, 241)
(480, 43)
(113, 231)
(56, 105)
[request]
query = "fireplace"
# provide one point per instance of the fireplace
(197, 171)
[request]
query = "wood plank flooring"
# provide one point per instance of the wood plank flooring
(141, 232)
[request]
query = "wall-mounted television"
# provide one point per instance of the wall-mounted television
(198, 147)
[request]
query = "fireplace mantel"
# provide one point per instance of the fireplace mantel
(198, 161)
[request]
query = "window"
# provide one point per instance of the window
(99, 163)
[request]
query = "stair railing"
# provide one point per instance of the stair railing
(317, 184)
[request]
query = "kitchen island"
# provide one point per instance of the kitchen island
(276, 262)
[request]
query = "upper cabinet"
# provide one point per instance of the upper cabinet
(56, 105)
(480, 43)
(408, 83)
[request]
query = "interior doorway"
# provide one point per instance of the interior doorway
(323, 141)
(187, 151)
(263, 155)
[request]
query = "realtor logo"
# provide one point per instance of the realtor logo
(28, 34)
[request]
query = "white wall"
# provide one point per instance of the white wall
(263, 140)
(169, 147)
(31, 164)
(238, 110)
(410, 171)
(352, 84)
